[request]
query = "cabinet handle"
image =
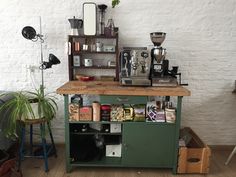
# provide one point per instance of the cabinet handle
(122, 99)
(125, 146)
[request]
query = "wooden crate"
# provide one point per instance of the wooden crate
(195, 157)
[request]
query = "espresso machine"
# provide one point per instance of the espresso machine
(135, 66)
(160, 75)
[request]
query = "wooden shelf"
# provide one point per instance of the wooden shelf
(89, 52)
(96, 36)
(93, 67)
(94, 122)
(123, 122)
(106, 55)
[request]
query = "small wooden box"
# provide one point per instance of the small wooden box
(195, 157)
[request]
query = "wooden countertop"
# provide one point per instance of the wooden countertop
(113, 88)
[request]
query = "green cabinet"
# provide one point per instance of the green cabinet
(143, 144)
(148, 144)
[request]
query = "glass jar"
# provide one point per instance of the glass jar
(109, 30)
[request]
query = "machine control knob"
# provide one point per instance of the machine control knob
(144, 54)
(125, 54)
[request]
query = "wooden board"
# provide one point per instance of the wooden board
(113, 88)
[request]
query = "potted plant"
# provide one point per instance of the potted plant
(114, 3)
(25, 105)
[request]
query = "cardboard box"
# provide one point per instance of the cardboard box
(115, 128)
(73, 112)
(85, 113)
(195, 156)
(154, 112)
(113, 150)
(117, 112)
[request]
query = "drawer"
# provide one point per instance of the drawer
(123, 99)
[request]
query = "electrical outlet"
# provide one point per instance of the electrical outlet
(33, 68)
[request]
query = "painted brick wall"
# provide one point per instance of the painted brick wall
(201, 39)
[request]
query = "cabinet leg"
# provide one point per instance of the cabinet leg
(67, 137)
(68, 168)
(177, 128)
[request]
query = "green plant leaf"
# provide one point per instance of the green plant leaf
(19, 108)
(114, 3)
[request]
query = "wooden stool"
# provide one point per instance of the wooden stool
(44, 145)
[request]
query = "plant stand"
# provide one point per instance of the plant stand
(47, 148)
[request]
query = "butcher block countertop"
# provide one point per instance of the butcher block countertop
(114, 88)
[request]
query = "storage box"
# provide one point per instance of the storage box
(154, 112)
(73, 112)
(139, 112)
(195, 156)
(117, 112)
(113, 150)
(115, 128)
(85, 113)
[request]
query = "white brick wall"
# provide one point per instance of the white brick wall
(201, 39)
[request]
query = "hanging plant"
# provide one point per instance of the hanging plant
(114, 3)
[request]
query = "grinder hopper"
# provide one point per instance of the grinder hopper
(158, 53)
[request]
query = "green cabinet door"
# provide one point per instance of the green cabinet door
(148, 144)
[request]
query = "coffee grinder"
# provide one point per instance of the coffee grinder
(160, 75)
(102, 10)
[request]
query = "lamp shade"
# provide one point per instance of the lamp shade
(53, 59)
(29, 32)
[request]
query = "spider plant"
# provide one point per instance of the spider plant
(19, 108)
(47, 106)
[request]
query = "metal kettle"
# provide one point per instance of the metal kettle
(75, 25)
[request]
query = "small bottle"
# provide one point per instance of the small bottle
(111, 26)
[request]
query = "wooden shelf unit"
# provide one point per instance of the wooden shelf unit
(83, 54)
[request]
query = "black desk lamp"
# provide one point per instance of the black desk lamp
(29, 33)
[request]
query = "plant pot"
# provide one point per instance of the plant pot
(3, 156)
(35, 110)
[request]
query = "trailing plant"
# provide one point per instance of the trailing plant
(19, 108)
